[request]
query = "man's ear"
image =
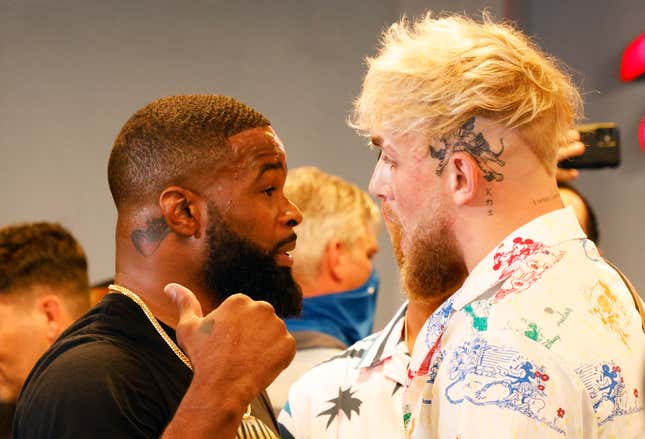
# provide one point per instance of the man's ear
(183, 210)
(463, 178)
(333, 259)
(50, 307)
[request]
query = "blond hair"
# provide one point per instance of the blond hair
(430, 76)
(331, 208)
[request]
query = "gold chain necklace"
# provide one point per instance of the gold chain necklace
(171, 344)
(178, 352)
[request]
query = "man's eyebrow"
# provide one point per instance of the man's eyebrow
(269, 167)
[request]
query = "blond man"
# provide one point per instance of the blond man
(333, 266)
(543, 339)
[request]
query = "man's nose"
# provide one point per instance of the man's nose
(292, 215)
(376, 186)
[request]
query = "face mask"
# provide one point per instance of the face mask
(347, 316)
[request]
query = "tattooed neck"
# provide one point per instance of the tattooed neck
(147, 240)
(553, 196)
(489, 201)
(473, 143)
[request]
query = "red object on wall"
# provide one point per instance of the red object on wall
(631, 67)
(633, 63)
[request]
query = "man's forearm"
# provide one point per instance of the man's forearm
(205, 416)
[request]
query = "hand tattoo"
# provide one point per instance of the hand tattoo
(475, 144)
(207, 326)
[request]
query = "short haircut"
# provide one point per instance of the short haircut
(430, 76)
(591, 227)
(331, 208)
(172, 138)
(44, 254)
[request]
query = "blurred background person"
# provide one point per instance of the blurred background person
(43, 289)
(333, 266)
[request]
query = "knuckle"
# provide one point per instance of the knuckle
(291, 342)
(265, 307)
(238, 299)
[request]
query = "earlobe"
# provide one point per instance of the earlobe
(51, 308)
(464, 178)
(182, 210)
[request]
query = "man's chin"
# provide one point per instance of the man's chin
(292, 306)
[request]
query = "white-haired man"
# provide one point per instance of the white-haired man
(358, 393)
(333, 266)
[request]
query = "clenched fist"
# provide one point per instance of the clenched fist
(236, 351)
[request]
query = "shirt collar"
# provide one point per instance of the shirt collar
(544, 231)
(385, 345)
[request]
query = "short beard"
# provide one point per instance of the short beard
(433, 269)
(236, 265)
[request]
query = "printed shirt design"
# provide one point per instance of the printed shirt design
(344, 403)
(608, 392)
(484, 374)
(356, 393)
(542, 340)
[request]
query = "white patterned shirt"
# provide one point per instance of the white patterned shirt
(356, 394)
(543, 340)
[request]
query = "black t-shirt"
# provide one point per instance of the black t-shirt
(6, 415)
(110, 375)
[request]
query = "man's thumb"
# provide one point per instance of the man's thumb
(187, 304)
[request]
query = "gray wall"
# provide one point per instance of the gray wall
(72, 71)
(590, 36)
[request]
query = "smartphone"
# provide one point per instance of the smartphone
(602, 147)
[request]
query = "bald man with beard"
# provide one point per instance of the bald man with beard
(174, 351)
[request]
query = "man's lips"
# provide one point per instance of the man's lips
(282, 255)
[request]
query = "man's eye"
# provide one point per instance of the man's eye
(269, 191)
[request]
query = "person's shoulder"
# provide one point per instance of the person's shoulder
(97, 355)
(335, 370)
(83, 385)
(70, 372)
(350, 357)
